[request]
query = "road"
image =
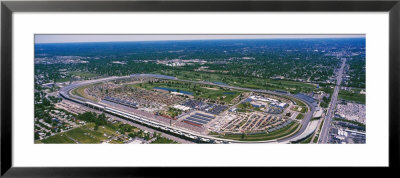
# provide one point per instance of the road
(328, 118)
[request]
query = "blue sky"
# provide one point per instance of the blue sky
(108, 38)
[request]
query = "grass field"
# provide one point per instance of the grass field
(116, 142)
(350, 121)
(173, 112)
(289, 129)
(107, 130)
(315, 118)
(354, 97)
(304, 110)
(298, 102)
(315, 139)
(247, 82)
(320, 126)
(245, 106)
(59, 138)
(197, 90)
(307, 140)
(84, 134)
(162, 140)
(81, 92)
(300, 116)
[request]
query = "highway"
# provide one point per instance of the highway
(323, 138)
(66, 93)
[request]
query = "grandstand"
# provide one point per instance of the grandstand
(120, 101)
(198, 119)
(202, 106)
(307, 98)
(154, 76)
(280, 126)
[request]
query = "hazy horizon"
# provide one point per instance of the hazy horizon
(49, 38)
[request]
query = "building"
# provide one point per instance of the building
(48, 85)
(181, 107)
(282, 105)
(257, 104)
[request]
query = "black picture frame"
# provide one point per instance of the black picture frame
(8, 7)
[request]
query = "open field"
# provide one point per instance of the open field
(246, 82)
(349, 96)
(59, 138)
(197, 90)
(84, 134)
(81, 92)
(350, 121)
(300, 116)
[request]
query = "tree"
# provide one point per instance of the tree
(158, 135)
(36, 136)
(147, 136)
(132, 135)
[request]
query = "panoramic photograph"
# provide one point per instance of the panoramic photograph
(200, 89)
